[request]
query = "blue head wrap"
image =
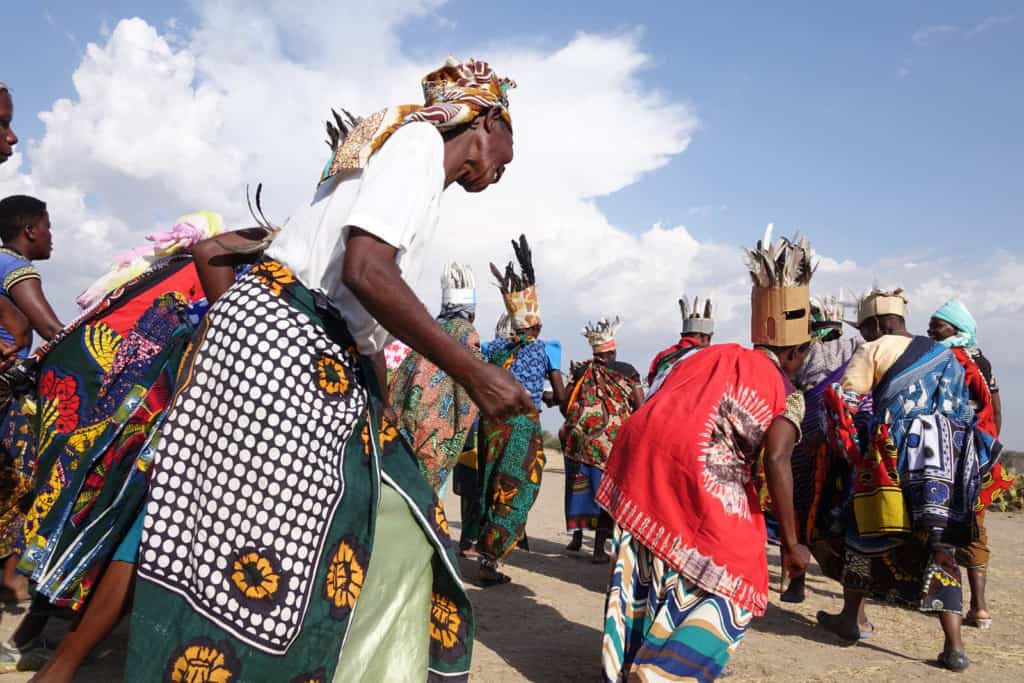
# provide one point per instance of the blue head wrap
(957, 315)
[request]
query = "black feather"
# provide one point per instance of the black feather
(341, 127)
(525, 258)
(499, 277)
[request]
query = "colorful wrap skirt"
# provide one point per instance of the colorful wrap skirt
(513, 465)
(17, 472)
(261, 522)
(581, 508)
(660, 627)
(914, 574)
(104, 385)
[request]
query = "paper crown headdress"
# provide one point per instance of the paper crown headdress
(827, 315)
(881, 302)
(601, 334)
(693, 321)
(458, 286)
(519, 292)
(780, 299)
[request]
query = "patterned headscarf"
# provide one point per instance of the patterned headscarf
(956, 314)
(453, 95)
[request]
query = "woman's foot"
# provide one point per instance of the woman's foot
(29, 657)
(797, 591)
(955, 661)
(577, 541)
(846, 629)
(489, 574)
(978, 619)
(600, 556)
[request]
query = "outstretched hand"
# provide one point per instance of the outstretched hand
(795, 560)
(497, 393)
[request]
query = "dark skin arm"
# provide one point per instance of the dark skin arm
(778, 449)
(28, 297)
(997, 411)
(638, 395)
(216, 263)
(371, 274)
(559, 396)
(16, 324)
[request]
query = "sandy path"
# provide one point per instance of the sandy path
(546, 625)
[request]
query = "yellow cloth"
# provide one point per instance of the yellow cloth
(872, 360)
(468, 459)
(389, 637)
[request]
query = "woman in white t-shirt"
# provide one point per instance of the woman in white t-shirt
(277, 474)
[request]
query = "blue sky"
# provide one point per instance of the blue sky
(828, 119)
(888, 132)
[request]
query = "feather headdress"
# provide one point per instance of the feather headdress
(458, 286)
(781, 273)
(881, 302)
(784, 263)
(601, 334)
(519, 290)
(694, 322)
(827, 315)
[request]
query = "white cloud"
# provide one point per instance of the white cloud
(988, 24)
(163, 123)
(924, 36)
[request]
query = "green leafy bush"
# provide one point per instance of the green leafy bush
(1013, 498)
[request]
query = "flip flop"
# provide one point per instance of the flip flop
(864, 635)
(975, 622)
(956, 662)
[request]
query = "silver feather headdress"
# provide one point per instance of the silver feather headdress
(694, 321)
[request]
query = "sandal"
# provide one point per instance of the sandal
(866, 630)
(974, 622)
(956, 662)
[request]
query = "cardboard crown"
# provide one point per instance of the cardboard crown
(780, 316)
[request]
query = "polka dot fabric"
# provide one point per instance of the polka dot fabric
(249, 468)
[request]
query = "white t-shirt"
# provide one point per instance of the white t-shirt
(397, 198)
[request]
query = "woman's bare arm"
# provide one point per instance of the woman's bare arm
(28, 297)
(217, 257)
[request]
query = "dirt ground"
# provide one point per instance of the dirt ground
(546, 625)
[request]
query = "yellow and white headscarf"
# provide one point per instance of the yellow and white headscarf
(453, 95)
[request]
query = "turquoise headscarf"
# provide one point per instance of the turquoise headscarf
(957, 315)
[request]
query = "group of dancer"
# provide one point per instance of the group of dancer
(245, 434)
(876, 454)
